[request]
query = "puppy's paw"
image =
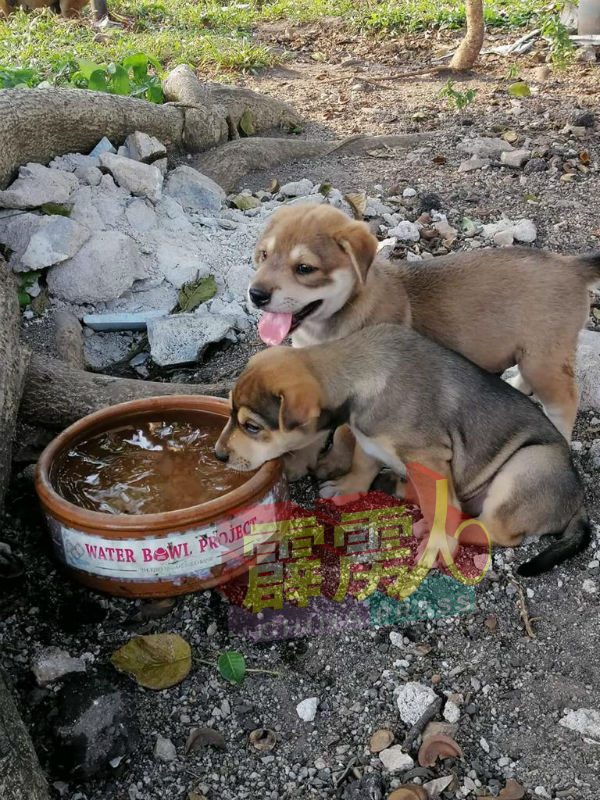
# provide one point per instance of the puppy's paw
(347, 484)
(294, 467)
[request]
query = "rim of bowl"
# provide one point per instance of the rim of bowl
(226, 504)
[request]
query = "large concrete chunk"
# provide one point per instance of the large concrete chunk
(142, 147)
(38, 185)
(140, 179)
(180, 264)
(104, 268)
(193, 190)
(56, 239)
(182, 338)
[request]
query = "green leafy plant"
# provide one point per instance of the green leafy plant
(26, 281)
(512, 73)
(17, 78)
(562, 50)
(130, 77)
(457, 100)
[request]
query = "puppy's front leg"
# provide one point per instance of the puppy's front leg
(362, 474)
(297, 464)
(338, 460)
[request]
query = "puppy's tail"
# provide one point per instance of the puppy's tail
(573, 540)
(589, 267)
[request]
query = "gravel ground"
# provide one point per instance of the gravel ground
(511, 689)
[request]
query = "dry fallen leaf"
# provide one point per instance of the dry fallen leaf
(157, 661)
(273, 186)
(435, 787)
(439, 159)
(584, 157)
(262, 739)
(203, 737)
(380, 740)
(409, 792)
(438, 746)
(512, 791)
(357, 202)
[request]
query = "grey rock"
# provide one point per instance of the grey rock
(16, 230)
(535, 165)
(85, 210)
(515, 158)
(142, 147)
(104, 268)
(588, 370)
(586, 119)
(394, 759)
(193, 190)
(94, 725)
(37, 185)
(164, 749)
(180, 264)
(231, 309)
(405, 231)
(88, 175)
(485, 147)
(141, 215)
(503, 238)
(413, 700)
(593, 455)
(473, 164)
(584, 720)
(238, 278)
(161, 164)
(55, 239)
(52, 664)
(136, 177)
(71, 162)
(141, 298)
(307, 709)
(300, 188)
(525, 231)
(100, 350)
(370, 787)
(103, 146)
(182, 338)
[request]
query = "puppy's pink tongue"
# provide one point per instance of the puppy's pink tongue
(273, 328)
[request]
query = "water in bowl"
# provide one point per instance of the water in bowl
(146, 468)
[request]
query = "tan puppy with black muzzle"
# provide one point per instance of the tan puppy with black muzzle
(318, 279)
(407, 399)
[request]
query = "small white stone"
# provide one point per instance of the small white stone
(589, 586)
(585, 721)
(164, 749)
(396, 639)
(405, 231)
(52, 664)
(541, 792)
(503, 238)
(577, 447)
(530, 593)
(409, 192)
(307, 709)
(525, 231)
(394, 759)
(297, 188)
(515, 158)
(451, 711)
(484, 745)
(413, 700)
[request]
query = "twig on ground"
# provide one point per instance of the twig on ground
(527, 620)
(417, 729)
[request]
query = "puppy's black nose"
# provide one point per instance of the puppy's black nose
(260, 297)
(222, 455)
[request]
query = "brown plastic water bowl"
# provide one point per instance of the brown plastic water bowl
(156, 555)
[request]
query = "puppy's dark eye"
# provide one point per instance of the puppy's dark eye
(251, 428)
(262, 255)
(305, 269)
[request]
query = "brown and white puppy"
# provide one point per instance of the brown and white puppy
(407, 399)
(318, 279)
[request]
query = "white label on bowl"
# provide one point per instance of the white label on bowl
(179, 554)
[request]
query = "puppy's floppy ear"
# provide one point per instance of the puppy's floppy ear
(358, 242)
(299, 403)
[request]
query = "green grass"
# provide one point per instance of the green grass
(217, 34)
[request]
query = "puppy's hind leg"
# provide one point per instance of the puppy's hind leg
(552, 379)
(536, 492)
